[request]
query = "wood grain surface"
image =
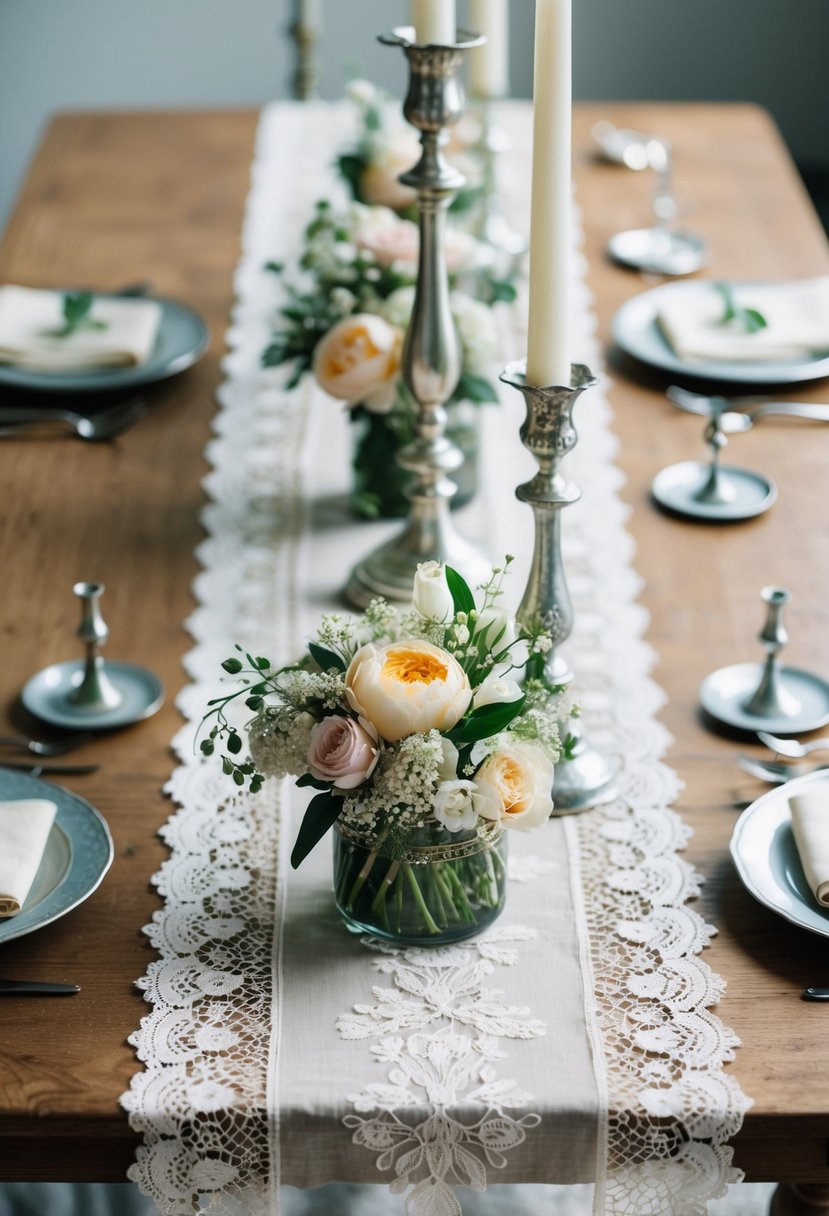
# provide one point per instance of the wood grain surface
(114, 198)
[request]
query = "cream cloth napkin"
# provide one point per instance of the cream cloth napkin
(810, 824)
(797, 316)
(24, 829)
(29, 319)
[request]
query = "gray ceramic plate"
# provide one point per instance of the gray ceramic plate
(182, 339)
(636, 332)
(78, 854)
(767, 860)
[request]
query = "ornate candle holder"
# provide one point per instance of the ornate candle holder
(306, 75)
(431, 355)
(588, 778)
(491, 225)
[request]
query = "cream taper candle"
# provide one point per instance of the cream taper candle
(310, 14)
(434, 21)
(489, 64)
(548, 343)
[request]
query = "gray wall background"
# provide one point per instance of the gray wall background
(70, 54)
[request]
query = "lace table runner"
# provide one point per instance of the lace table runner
(574, 1041)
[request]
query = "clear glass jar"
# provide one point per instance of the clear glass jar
(441, 887)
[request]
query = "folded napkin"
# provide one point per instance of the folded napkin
(796, 314)
(24, 830)
(30, 322)
(810, 824)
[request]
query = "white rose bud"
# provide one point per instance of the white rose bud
(431, 596)
(496, 692)
(453, 805)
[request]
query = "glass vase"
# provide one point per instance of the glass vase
(436, 888)
(378, 481)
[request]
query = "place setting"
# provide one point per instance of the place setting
(55, 846)
(107, 348)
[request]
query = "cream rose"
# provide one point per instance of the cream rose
(431, 595)
(513, 786)
(358, 360)
(379, 182)
(408, 687)
(343, 751)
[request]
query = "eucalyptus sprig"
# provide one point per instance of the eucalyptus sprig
(255, 682)
(77, 305)
(735, 313)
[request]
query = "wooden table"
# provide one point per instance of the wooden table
(115, 198)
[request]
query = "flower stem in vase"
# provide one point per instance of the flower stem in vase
(383, 890)
(414, 885)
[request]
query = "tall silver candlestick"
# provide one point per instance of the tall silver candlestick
(306, 73)
(588, 778)
(431, 354)
(491, 225)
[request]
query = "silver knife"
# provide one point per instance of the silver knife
(35, 988)
(36, 768)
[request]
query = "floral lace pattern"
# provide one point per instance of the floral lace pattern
(436, 1031)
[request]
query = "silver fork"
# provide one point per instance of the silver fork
(57, 747)
(749, 407)
(792, 748)
(105, 424)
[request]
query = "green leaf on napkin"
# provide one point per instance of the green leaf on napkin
(750, 319)
(77, 306)
(321, 814)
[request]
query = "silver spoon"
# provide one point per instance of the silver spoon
(105, 424)
(815, 994)
(58, 747)
(777, 772)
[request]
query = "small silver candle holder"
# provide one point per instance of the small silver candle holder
(491, 225)
(768, 696)
(431, 354)
(93, 693)
(588, 778)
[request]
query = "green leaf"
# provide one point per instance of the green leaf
(490, 720)
(321, 814)
(232, 666)
(254, 703)
(76, 308)
(307, 780)
(462, 597)
(234, 743)
(476, 389)
(207, 747)
(325, 658)
(754, 320)
(262, 664)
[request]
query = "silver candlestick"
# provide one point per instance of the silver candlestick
(431, 354)
(306, 74)
(491, 225)
(588, 778)
(95, 691)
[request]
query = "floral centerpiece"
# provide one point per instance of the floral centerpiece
(421, 747)
(349, 299)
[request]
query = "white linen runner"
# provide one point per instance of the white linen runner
(571, 1042)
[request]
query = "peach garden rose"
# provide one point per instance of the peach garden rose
(358, 360)
(513, 786)
(407, 687)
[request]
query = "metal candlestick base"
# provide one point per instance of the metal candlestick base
(768, 696)
(431, 355)
(548, 433)
(90, 692)
(713, 492)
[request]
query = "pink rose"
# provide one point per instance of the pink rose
(343, 751)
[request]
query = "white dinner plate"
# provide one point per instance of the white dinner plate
(767, 860)
(635, 331)
(182, 340)
(78, 854)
